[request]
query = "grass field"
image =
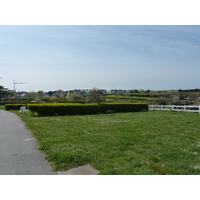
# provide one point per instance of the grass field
(2, 107)
(121, 143)
(137, 98)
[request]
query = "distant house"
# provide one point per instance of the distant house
(103, 92)
(85, 92)
(22, 94)
(116, 91)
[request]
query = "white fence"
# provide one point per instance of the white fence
(185, 108)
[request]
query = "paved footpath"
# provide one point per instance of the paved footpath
(19, 154)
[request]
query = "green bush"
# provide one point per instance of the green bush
(124, 107)
(84, 109)
(14, 106)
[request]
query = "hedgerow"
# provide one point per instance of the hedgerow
(14, 106)
(84, 109)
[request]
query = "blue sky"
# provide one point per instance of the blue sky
(107, 57)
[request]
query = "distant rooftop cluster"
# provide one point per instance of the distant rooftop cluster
(83, 92)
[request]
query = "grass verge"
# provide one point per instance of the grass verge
(122, 143)
(2, 107)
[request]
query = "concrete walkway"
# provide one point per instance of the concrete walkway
(19, 154)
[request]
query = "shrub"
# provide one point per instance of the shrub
(124, 107)
(109, 112)
(64, 109)
(84, 109)
(75, 97)
(14, 106)
(54, 99)
(38, 100)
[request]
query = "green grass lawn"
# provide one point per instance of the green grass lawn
(121, 143)
(2, 107)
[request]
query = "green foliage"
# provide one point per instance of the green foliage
(2, 107)
(143, 95)
(124, 107)
(14, 106)
(54, 99)
(38, 100)
(83, 109)
(75, 97)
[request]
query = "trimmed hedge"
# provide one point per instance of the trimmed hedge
(84, 109)
(14, 106)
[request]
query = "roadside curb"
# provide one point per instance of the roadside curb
(82, 170)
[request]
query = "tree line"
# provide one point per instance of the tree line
(189, 90)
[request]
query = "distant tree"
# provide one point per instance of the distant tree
(75, 97)
(38, 100)
(162, 101)
(50, 93)
(14, 94)
(148, 91)
(134, 91)
(59, 94)
(54, 99)
(1, 92)
(46, 98)
(95, 96)
(39, 94)
(31, 95)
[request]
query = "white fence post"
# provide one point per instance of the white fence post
(184, 108)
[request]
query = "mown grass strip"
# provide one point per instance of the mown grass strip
(121, 143)
(2, 107)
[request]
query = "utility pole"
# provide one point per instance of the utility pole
(17, 83)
